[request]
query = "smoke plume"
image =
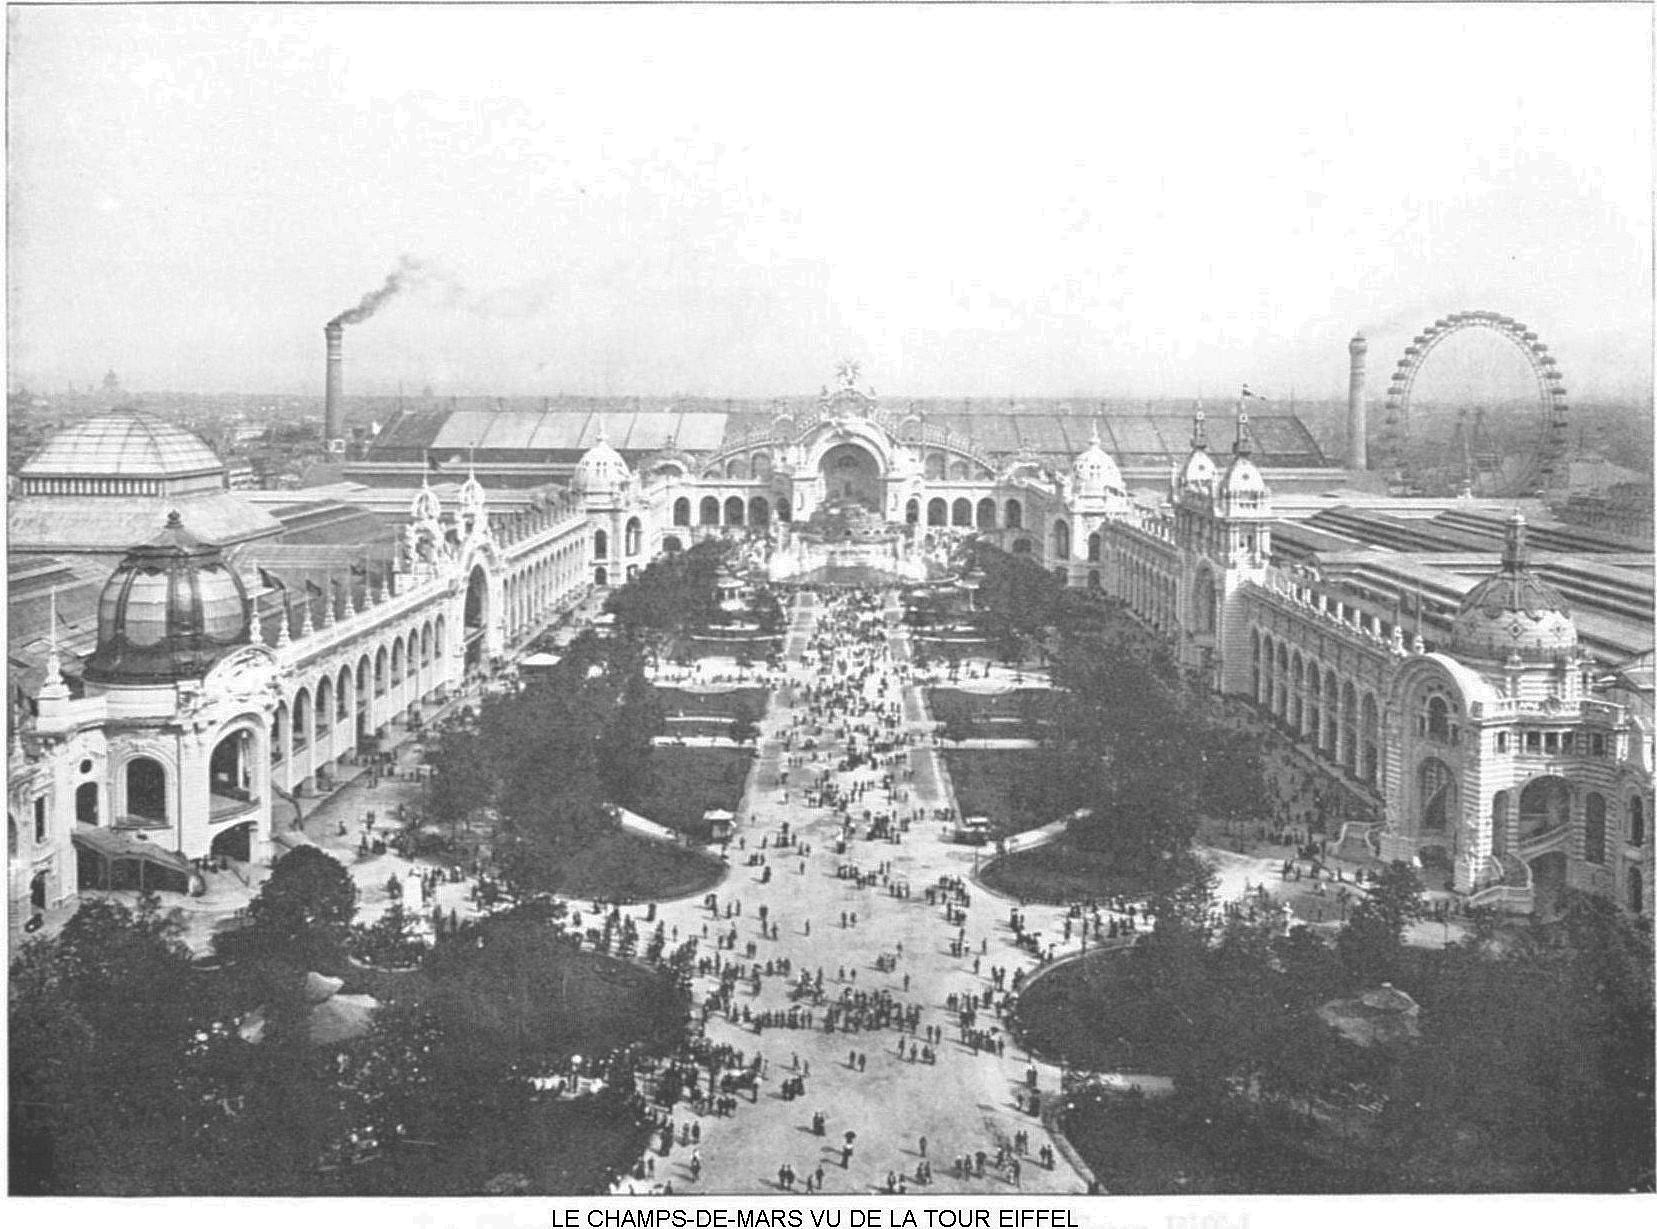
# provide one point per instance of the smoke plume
(408, 272)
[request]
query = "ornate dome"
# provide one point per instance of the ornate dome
(1513, 611)
(1199, 471)
(170, 610)
(600, 470)
(1095, 472)
(127, 445)
(1242, 487)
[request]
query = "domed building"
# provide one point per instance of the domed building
(1513, 614)
(601, 473)
(170, 610)
(92, 482)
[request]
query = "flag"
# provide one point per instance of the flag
(269, 581)
(433, 464)
(312, 587)
(1249, 392)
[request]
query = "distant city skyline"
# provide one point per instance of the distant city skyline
(1120, 202)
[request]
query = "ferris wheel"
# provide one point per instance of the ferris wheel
(1540, 463)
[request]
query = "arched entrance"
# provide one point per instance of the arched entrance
(230, 773)
(1544, 805)
(235, 843)
(476, 616)
(147, 790)
(851, 475)
(86, 803)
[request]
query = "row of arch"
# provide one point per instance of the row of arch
(533, 591)
(962, 513)
(334, 714)
(1150, 590)
(756, 510)
(632, 537)
(1315, 704)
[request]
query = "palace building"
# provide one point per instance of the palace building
(186, 659)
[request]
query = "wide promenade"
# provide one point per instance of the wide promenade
(968, 1099)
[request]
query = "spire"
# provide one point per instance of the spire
(283, 638)
(1199, 429)
(54, 687)
(1093, 438)
(255, 629)
(1516, 550)
(1244, 445)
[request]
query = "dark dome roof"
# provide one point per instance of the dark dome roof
(169, 611)
(1513, 611)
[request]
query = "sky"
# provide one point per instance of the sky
(1103, 201)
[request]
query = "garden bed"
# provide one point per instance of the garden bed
(1020, 713)
(1057, 872)
(690, 781)
(993, 783)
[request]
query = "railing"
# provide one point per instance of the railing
(1541, 842)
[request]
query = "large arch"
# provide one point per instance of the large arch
(1436, 795)
(1061, 539)
(146, 790)
(1544, 806)
(851, 474)
(986, 513)
(601, 544)
(960, 513)
(632, 536)
(476, 614)
(937, 512)
(734, 510)
(1013, 517)
(681, 511)
(709, 510)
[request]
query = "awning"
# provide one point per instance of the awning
(117, 846)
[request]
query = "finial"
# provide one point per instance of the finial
(54, 687)
(306, 627)
(328, 602)
(283, 638)
(1244, 444)
(1516, 550)
(1199, 428)
(255, 629)
(1093, 438)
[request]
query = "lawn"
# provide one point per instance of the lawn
(624, 866)
(689, 781)
(1009, 714)
(1057, 872)
(993, 783)
(703, 714)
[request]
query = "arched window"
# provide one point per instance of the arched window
(1593, 830)
(1544, 805)
(396, 661)
(960, 471)
(681, 511)
(759, 511)
(1636, 891)
(633, 535)
(342, 691)
(301, 718)
(86, 803)
(601, 577)
(709, 510)
(324, 706)
(1061, 539)
(733, 510)
(1254, 647)
(937, 512)
(601, 544)
(1437, 719)
(1095, 545)
(1636, 820)
(1370, 769)
(380, 674)
(1500, 806)
(986, 513)
(1015, 515)
(1093, 578)
(1437, 794)
(1349, 726)
(146, 789)
(912, 512)
(1297, 692)
(736, 468)
(960, 513)
(935, 465)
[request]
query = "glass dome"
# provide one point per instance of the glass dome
(169, 611)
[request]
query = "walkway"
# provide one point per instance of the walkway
(968, 1100)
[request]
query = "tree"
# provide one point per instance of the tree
(1397, 897)
(461, 781)
(307, 889)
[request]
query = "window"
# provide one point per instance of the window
(1550, 742)
(1438, 794)
(40, 819)
(1533, 740)
(1438, 719)
(1593, 830)
(1501, 742)
(1598, 744)
(1636, 820)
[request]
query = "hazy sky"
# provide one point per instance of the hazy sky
(1109, 201)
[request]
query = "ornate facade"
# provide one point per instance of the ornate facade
(1495, 747)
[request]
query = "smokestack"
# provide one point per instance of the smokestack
(333, 397)
(1357, 420)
